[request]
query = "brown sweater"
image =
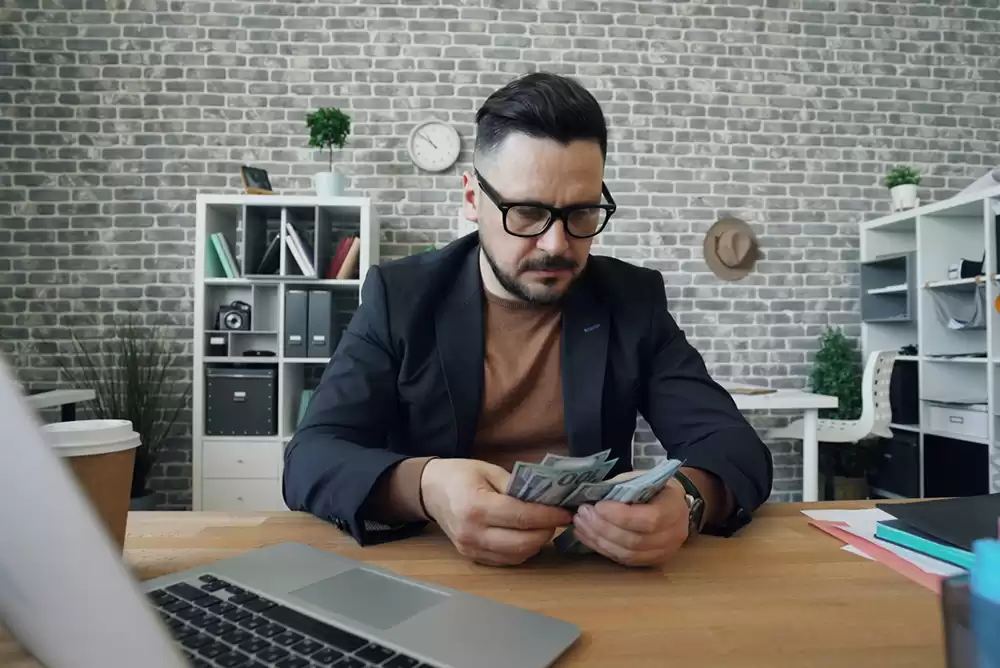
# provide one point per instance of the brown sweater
(522, 412)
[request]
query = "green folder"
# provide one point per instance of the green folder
(213, 260)
(303, 405)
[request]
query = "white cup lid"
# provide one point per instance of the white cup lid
(90, 437)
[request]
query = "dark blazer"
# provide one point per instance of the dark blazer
(406, 379)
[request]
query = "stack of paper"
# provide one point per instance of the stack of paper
(857, 529)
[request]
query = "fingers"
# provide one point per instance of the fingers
(634, 535)
(500, 510)
(591, 520)
(497, 546)
(514, 544)
(666, 509)
(619, 553)
(496, 476)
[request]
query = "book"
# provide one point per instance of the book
(338, 257)
(349, 269)
(900, 533)
(300, 252)
(958, 521)
(225, 255)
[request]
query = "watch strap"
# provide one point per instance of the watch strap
(696, 506)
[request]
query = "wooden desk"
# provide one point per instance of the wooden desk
(781, 594)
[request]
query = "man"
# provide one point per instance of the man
(513, 342)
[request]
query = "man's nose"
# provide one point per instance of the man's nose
(555, 240)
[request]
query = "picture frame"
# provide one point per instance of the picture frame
(256, 180)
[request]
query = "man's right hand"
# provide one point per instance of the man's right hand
(467, 499)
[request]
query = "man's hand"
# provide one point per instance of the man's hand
(636, 535)
(466, 498)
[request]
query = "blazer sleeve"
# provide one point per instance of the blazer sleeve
(339, 451)
(696, 419)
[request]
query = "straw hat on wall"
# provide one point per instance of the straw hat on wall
(731, 249)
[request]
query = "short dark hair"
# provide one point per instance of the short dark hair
(543, 105)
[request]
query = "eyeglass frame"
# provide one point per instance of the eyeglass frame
(555, 212)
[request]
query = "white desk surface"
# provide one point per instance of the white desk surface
(780, 400)
(59, 398)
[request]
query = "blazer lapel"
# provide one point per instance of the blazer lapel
(585, 331)
(460, 331)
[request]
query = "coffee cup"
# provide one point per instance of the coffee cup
(101, 454)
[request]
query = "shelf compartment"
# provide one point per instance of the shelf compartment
(886, 288)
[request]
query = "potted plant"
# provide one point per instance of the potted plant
(136, 376)
(328, 128)
(902, 182)
(837, 372)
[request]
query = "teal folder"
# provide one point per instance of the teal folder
(904, 535)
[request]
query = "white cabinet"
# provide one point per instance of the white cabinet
(921, 286)
(258, 249)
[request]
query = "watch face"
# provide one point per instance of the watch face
(434, 146)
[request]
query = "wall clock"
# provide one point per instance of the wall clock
(434, 146)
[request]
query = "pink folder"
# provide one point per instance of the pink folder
(882, 555)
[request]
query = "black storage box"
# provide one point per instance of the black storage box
(241, 402)
(898, 468)
(904, 399)
(953, 467)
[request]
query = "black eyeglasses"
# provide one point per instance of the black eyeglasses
(532, 219)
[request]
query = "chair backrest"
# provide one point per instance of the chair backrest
(875, 407)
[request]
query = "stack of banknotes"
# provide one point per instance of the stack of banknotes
(571, 481)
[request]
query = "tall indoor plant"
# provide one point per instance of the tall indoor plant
(837, 372)
(136, 376)
(328, 128)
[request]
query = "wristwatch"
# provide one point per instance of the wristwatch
(695, 503)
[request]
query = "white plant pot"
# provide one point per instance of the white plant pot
(329, 184)
(904, 197)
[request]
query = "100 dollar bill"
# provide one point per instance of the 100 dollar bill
(549, 486)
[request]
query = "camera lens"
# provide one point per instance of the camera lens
(234, 320)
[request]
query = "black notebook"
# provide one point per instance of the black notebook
(958, 521)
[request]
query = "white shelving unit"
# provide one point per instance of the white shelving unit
(243, 472)
(905, 258)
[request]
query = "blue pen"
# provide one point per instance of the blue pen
(985, 589)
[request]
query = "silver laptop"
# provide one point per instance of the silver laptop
(68, 599)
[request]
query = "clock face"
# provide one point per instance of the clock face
(434, 146)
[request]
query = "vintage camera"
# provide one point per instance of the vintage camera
(234, 316)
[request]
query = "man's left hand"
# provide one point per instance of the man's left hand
(636, 535)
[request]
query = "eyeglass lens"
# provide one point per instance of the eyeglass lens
(530, 220)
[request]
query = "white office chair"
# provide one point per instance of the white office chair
(876, 412)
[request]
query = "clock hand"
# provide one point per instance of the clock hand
(426, 139)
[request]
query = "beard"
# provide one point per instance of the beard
(520, 289)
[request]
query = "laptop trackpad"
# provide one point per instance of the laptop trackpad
(367, 597)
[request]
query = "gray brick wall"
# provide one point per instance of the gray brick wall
(113, 115)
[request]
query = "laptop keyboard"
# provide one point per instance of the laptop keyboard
(220, 625)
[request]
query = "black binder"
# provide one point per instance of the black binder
(320, 339)
(296, 323)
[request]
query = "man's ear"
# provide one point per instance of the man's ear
(469, 189)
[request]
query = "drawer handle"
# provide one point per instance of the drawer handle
(955, 419)
(239, 396)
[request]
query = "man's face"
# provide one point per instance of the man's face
(537, 269)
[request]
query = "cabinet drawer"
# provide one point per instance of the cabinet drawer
(251, 495)
(241, 459)
(957, 421)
